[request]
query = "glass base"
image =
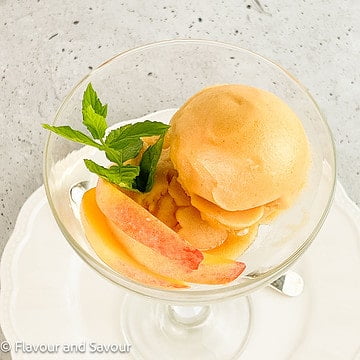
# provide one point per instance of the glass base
(161, 331)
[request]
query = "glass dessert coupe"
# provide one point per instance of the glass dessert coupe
(150, 82)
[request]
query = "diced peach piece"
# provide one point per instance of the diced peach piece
(142, 226)
(178, 193)
(198, 232)
(165, 211)
(212, 270)
(235, 244)
(112, 252)
(230, 219)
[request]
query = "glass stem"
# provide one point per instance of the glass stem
(188, 316)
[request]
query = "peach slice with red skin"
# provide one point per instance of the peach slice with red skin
(112, 252)
(212, 270)
(142, 226)
(229, 219)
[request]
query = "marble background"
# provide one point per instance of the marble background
(47, 46)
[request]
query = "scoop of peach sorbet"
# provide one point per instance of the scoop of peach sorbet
(238, 148)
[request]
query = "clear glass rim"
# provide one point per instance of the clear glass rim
(193, 296)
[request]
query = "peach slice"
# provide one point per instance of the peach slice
(142, 226)
(198, 232)
(212, 270)
(112, 252)
(165, 211)
(235, 244)
(178, 193)
(230, 219)
(216, 270)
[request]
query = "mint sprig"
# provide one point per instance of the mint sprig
(120, 145)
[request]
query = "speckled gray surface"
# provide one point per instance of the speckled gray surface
(47, 46)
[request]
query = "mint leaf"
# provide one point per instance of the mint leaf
(116, 136)
(130, 147)
(123, 150)
(123, 176)
(127, 137)
(94, 122)
(146, 128)
(94, 113)
(150, 158)
(137, 130)
(90, 98)
(115, 156)
(71, 134)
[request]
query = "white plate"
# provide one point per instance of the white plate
(49, 296)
